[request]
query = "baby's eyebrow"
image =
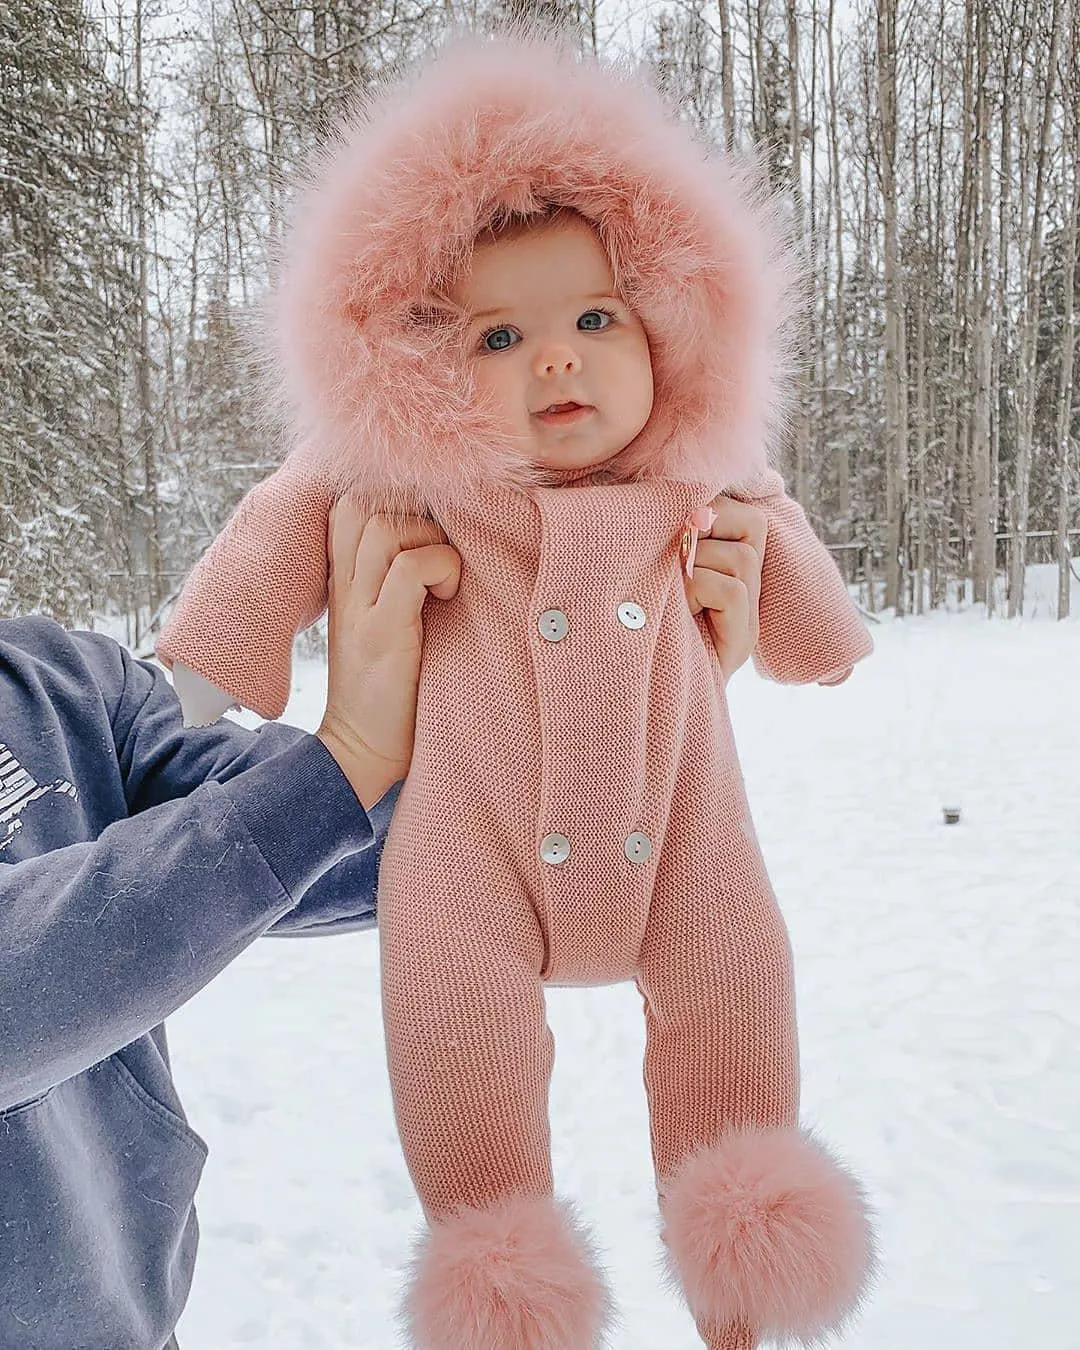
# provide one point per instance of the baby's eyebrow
(505, 309)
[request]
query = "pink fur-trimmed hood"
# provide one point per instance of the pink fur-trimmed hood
(369, 373)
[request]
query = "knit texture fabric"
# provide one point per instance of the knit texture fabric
(607, 736)
(574, 812)
(264, 579)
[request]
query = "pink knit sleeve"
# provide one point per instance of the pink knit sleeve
(811, 630)
(262, 581)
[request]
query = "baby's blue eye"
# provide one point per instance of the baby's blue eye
(498, 339)
(600, 315)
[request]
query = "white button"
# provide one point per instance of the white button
(553, 625)
(555, 849)
(638, 848)
(631, 615)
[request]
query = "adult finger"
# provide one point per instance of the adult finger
(383, 540)
(413, 573)
(734, 557)
(731, 622)
(721, 593)
(739, 521)
(345, 528)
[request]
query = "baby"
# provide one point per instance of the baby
(521, 299)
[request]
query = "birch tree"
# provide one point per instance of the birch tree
(1038, 146)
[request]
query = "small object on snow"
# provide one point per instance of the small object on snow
(951, 814)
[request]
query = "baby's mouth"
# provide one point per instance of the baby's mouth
(559, 412)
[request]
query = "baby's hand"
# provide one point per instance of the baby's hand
(727, 580)
(380, 576)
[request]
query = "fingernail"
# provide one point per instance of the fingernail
(689, 550)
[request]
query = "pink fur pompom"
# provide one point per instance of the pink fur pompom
(520, 1275)
(766, 1228)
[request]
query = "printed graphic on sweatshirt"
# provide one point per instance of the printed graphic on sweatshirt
(17, 790)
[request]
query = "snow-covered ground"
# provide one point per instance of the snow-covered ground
(940, 1023)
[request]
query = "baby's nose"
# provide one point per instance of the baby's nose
(559, 357)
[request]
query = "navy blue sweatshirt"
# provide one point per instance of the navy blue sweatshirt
(137, 859)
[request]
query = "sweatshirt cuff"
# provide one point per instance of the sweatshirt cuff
(302, 813)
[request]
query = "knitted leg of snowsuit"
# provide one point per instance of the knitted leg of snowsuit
(502, 1266)
(720, 1054)
(766, 1235)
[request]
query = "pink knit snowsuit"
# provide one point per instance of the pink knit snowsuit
(574, 812)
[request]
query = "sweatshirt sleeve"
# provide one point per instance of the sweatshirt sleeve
(230, 831)
(810, 628)
(262, 581)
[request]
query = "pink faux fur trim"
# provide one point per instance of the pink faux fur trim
(765, 1228)
(387, 219)
(519, 1275)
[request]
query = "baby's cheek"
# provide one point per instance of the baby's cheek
(505, 397)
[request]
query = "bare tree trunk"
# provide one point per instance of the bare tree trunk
(801, 418)
(727, 74)
(1005, 214)
(1029, 334)
(951, 376)
(982, 569)
(896, 468)
(146, 431)
(918, 290)
(960, 379)
(920, 460)
(795, 121)
(863, 362)
(755, 32)
(1068, 344)
(842, 377)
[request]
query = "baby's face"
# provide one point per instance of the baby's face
(546, 328)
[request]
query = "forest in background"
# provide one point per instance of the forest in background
(930, 149)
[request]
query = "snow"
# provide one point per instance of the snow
(939, 1023)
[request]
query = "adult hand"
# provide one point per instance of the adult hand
(727, 580)
(380, 576)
